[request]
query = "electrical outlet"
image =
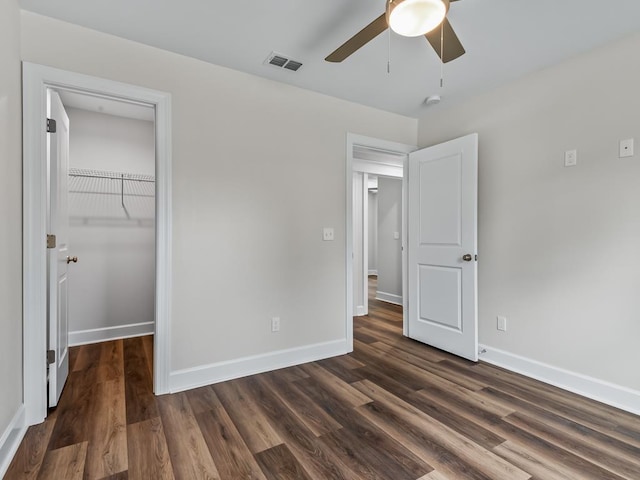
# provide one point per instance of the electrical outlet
(502, 323)
(327, 234)
(275, 324)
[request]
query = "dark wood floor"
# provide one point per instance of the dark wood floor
(394, 409)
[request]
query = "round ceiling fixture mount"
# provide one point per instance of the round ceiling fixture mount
(433, 100)
(412, 18)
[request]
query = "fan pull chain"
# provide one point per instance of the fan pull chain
(442, 56)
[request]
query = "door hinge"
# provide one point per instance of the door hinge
(51, 125)
(51, 357)
(51, 241)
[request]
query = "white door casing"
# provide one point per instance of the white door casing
(58, 225)
(36, 80)
(354, 164)
(442, 230)
(360, 247)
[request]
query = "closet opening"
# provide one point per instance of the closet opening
(106, 225)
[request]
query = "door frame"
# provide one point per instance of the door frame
(358, 165)
(36, 80)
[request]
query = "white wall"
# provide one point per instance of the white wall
(373, 232)
(258, 170)
(11, 221)
(389, 248)
(558, 247)
(113, 283)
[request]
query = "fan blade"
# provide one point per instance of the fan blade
(451, 46)
(360, 39)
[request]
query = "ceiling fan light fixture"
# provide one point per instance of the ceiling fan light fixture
(412, 18)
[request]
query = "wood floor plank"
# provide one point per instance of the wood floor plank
(537, 466)
(148, 452)
(344, 367)
(360, 334)
(393, 409)
(65, 463)
(606, 444)
(340, 388)
(28, 459)
(203, 399)
(147, 345)
(441, 369)
(188, 450)
(232, 457)
(582, 445)
(118, 476)
(421, 445)
(141, 402)
(107, 446)
(255, 429)
(473, 431)
(563, 403)
(308, 412)
(278, 463)
(87, 356)
(314, 457)
(549, 453)
(388, 451)
(521, 401)
(111, 362)
(74, 411)
(372, 458)
(481, 459)
(435, 475)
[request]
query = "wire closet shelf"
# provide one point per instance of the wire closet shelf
(99, 197)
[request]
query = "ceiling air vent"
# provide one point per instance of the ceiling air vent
(292, 65)
(282, 61)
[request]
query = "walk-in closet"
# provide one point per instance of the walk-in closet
(111, 204)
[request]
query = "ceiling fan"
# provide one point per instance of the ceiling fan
(410, 18)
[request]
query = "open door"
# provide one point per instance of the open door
(442, 246)
(58, 251)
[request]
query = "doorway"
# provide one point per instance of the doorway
(367, 156)
(37, 80)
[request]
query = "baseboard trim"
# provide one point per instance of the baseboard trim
(11, 438)
(389, 297)
(189, 378)
(373, 272)
(84, 337)
(611, 394)
(360, 311)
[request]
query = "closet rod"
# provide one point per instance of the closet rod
(111, 178)
(113, 193)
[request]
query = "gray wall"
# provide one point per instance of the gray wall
(112, 285)
(558, 247)
(389, 248)
(10, 216)
(247, 219)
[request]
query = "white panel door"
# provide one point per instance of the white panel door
(442, 245)
(58, 257)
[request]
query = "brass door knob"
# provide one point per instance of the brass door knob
(72, 259)
(467, 257)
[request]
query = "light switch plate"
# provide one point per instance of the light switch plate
(626, 148)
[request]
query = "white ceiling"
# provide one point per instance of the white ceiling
(504, 39)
